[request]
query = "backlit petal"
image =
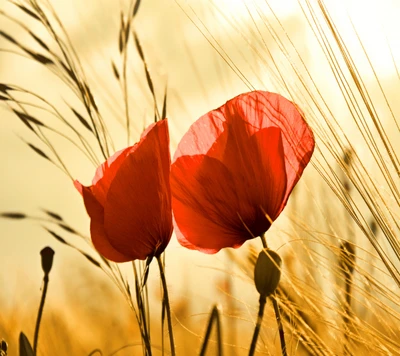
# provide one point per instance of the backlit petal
(137, 212)
(271, 181)
(263, 109)
(205, 205)
(201, 135)
(106, 172)
(97, 232)
(249, 153)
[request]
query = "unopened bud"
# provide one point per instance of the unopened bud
(267, 272)
(47, 259)
(3, 347)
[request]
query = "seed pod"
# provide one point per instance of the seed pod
(47, 259)
(267, 272)
(3, 347)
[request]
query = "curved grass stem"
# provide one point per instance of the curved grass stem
(263, 302)
(263, 240)
(40, 313)
(166, 305)
(142, 316)
(280, 325)
(214, 316)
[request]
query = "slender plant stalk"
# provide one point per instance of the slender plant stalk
(142, 313)
(213, 316)
(40, 312)
(280, 325)
(277, 315)
(347, 259)
(167, 305)
(347, 315)
(263, 240)
(263, 302)
(162, 326)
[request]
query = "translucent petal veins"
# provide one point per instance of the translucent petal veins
(235, 169)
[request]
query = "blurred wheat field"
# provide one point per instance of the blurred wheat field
(338, 236)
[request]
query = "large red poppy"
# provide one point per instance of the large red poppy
(129, 202)
(235, 168)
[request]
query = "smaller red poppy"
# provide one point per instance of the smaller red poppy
(235, 168)
(129, 202)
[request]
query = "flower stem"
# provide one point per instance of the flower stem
(40, 312)
(142, 314)
(280, 325)
(261, 308)
(263, 240)
(167, 305)
(213, 316)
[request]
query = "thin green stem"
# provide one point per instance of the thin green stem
(213, 316)
(280, 325)
(142, 314)
(162, 325)
(263, 302)
(263, 240)
(167, 305)
(40, 312)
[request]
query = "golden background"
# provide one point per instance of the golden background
(204, 52)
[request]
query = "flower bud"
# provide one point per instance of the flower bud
(267, 272)
(3, 347)
(47, 259)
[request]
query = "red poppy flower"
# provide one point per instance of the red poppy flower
(235, 168)
(129, 202)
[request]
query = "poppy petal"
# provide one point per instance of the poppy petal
(142, 182)
(106, 172)
(97, 232)
(205, 205)
(264, 109)
(254, 149)
(271, 181)
(78, 186)
(201, 136)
